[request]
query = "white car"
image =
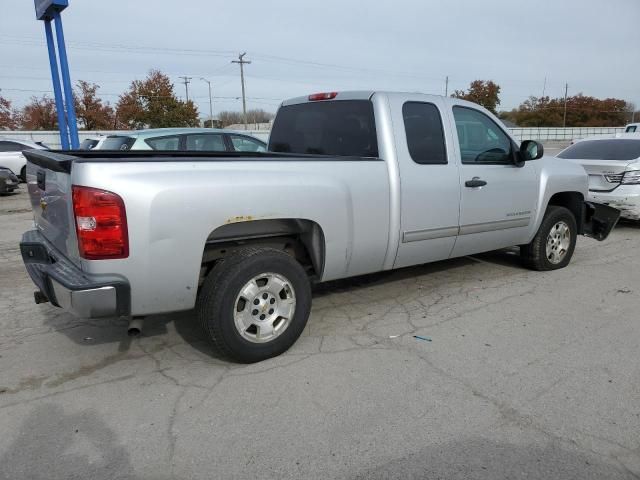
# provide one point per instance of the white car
(11, 155)
(92, 142)
(613, 166)
(632, 128)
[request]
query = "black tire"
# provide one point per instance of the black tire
(23, 174)
(216, 302)
(534, 255)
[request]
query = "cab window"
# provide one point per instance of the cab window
(425, 135)
(481, 140)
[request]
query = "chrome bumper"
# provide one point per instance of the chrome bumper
(89, 303)
(66, 286)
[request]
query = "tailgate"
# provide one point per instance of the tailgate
(49, 186)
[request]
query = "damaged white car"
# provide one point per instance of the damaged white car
(613, 166)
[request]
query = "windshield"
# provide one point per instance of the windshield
(342, 128)
(615, 149)
(117, 143)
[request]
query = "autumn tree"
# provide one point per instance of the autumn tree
(482, 92)
(8, 115)
(91, 112)
(152, 103)
(582, 111)
(39, 114)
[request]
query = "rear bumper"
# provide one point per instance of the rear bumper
(625, 198)
(68, 287)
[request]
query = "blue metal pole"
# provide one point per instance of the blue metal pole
(57, 94)
(66, 82)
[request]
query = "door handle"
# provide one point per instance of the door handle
(475, 182)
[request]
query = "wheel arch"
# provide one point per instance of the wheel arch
(302, 238)
(572, 201)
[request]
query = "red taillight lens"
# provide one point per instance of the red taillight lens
(101, 223)
(322, 96)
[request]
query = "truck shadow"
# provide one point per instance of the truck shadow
(186, 326)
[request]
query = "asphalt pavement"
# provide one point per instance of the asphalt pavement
(518, 374)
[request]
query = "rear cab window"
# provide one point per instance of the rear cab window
(631, 129)
(334, 127)
(614, 149)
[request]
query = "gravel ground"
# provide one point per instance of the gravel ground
(527, 375)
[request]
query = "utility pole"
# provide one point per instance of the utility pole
(186, 81)
(242, 63)
(544, 86)
(564, 120)
(446, 86)
(210, 100)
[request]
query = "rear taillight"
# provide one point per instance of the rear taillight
(101, 223)
(322, 96)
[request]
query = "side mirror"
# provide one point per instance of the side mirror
(531, 150)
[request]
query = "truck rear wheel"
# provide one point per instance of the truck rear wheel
(254, 304)
(553, 245)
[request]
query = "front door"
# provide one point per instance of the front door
(498, 199)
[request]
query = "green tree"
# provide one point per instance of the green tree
(91, 112)
(152, 103)
(482, 92)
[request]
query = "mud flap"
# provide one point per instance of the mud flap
(598, 220)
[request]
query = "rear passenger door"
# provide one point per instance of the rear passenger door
(430, 185)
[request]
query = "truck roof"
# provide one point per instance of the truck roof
(354, 95)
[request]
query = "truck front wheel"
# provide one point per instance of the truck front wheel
(254, 304)
(553, 245)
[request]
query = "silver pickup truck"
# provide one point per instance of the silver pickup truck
(353, 183)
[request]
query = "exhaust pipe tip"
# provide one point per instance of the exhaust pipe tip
(135, 327)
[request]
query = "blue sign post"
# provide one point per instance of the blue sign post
(48, 11)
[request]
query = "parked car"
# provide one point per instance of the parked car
(8, 181)
(11, 156)
(632, 128)
(613, 166)
(189, 139)
(92, 142)
(354, 183)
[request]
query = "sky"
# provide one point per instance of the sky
(298, 47)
